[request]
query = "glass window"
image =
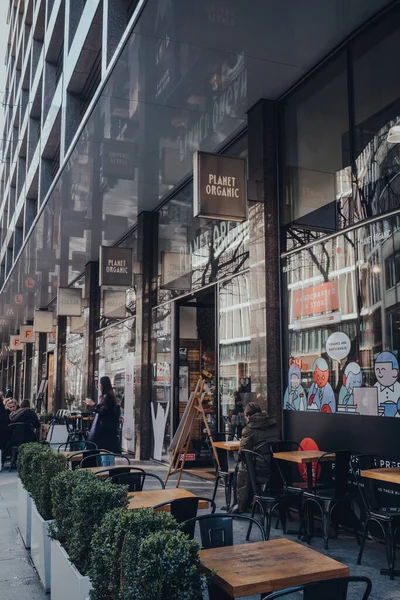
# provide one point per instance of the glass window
(316, 150)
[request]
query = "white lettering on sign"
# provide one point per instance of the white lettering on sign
(117, 266)
(222, 186)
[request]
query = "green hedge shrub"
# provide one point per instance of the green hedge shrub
(108, 547)
(167, 567)
(62, 487)
(26, 455)
(45, 467)
(90, 500)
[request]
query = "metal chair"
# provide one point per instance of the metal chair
(216, 530)
(327, 498)
(222, 471)
(387, 518)
(134, 480)
(184, 509)
(267, 500)
(101, 458)
(330, 589)
(75, 446)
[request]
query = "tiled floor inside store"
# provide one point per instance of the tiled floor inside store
(18, 580)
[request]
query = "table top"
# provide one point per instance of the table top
(229, 446)
(104, 469)
(305, 456)
(150, 498)
(390, 474)
(77, 458)
(264, 567)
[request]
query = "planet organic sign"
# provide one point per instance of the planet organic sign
(116, 266)
(219, 187)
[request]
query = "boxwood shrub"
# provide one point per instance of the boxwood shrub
(26, 455)
(118, 538)
(45, 467)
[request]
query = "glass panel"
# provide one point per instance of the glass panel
(316, 138)
(161, 401)
(343, 321)
(74, 372)
(234, 352)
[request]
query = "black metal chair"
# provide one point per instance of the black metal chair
(216, 529)
(134, 480)
(327, 497)
(266, 499)
(330, 589)
(102, 458)
(388, 518)
(184, 509)
(222, 471)
(18, 434)
(75, 446)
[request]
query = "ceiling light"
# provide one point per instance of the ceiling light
(394, 134)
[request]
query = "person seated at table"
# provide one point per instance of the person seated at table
(25, 414)
(11, 406)
(105, 427)
(258, 434)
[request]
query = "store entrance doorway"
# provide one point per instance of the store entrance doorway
(195, 357)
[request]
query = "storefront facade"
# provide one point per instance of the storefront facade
(250, 306)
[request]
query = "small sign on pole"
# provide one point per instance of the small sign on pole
(116, 266)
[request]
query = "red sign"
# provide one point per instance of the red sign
(188, 457)
(316, 299)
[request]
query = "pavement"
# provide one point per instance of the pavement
(18, 579)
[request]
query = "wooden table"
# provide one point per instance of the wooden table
(306, 457)
(389, 474)
(68, 455)
(265, 567)
(150, 498)
(231, 446)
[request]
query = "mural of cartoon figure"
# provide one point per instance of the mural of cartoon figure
(295, 396)
(352, 378)
(387, 372)
(320, 395)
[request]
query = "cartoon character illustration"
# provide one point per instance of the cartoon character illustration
(320, 395)
(295, 396)
(387, 372)
(352, 378)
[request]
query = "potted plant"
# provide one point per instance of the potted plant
(24, 511)
(80, 501)
(108, 546)
(45, 466)
(167, 565)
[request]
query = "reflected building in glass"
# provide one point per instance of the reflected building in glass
(296, 307)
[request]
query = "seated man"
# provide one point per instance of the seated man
(259, 433)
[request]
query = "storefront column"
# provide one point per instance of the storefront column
(27, 382)
(17, 375)
(264, 257)
(60, 364)
(92, 324)
(143, 337)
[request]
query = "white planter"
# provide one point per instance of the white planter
(66, 581)
(24, 512)
(40, 547)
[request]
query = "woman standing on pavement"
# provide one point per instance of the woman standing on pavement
(104, 430)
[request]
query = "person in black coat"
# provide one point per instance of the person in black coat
(3, 432)
(25, 414)
(104, 430)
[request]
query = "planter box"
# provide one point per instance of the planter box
(40, 547)
(24, 512)
(66, 581)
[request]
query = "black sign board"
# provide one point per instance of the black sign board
(118, 159)
(116, 266)
(219, 187)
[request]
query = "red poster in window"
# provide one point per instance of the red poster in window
(316, 299)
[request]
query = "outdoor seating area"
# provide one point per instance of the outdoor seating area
(68, 509)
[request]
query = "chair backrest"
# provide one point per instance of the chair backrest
(222, 454)
(90, 457)
(134, 480)
(185, 509)
(367, 488)
(21, 433)
(330, 589)
(255, 461)
(336, 473)
(76, 446)
(288, 471)
(216, 530)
